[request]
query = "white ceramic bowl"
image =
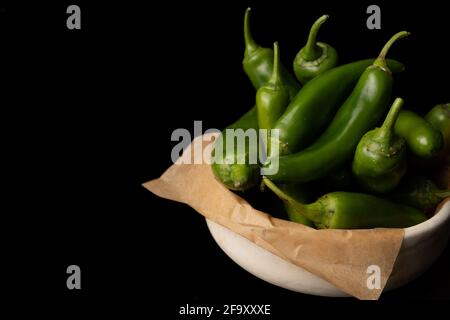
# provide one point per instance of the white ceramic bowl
(421, 246)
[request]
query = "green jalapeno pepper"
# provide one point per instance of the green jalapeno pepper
(315, 104)
(439, 118)
(272, 98)
(419, 192)
(421, 138)
(362, 110)
(348, 210)
(258, 62)
(234, 175)
(315, 57)
(380, 158)
(258, 65)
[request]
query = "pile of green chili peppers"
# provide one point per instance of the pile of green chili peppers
(348, 154)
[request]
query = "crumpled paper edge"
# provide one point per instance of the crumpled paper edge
(286, 239)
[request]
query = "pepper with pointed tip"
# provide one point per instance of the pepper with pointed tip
(258, 62)
(302, 121)
(272, 98)
(349, 210)
(258, 65)
(312, 109)
(315, 57)
(380, 158)
(362, 110)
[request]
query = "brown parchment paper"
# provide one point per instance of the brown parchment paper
(341, 257)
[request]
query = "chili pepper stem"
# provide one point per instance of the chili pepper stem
(275, 78)
(277, 190)
(311, 51)
(250, 44)
(311, 211)
(381, 60)
(388, 124)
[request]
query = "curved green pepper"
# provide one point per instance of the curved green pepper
(314, 106)
(419, 192)
(258, 65)
(258, 62)
(363, 109)
(233, 175)
(348, 210)
(422, 139)
(380, 158)
(273, 97)
(315, 57)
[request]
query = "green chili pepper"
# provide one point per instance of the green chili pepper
(314, 106)
(422, 139)
(315, 57)
(299, 193)
(363, 109)
(419, 192)
(234, 175)
(258, 62)
(439, 118)
(273, 97)
(380, 158)
(347, 210)
(258, 65)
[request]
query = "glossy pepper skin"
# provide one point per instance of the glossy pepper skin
(348, 210)
(235, 176)
(422, 139)
(313, 107)
(315, 57)
(380, 158)
(439, 118)
(258, 65)
(362, 110)
(258, 62)
(419, 192)
(273, 97)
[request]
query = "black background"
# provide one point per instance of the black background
(88, 116)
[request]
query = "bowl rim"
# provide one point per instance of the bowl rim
(432, 223)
